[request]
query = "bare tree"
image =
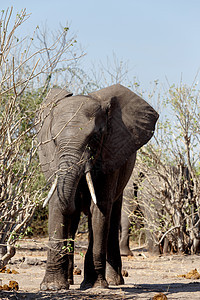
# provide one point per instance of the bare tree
(172, 202)
(26, 73)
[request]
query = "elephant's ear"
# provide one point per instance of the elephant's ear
(131, 124)
(56, 94)
(47, 147)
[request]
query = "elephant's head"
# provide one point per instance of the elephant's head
(109, 125)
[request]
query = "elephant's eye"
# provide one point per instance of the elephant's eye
(91, 110)
(95, 141)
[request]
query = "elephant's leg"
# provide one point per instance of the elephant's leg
(56, 275)
(59, 266)
(124, 237)
(72, 228)
(99, 222)
(166, 246)
(95, 259)
(114, 263)
(151, 246)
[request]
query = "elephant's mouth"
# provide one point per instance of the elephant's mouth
(89, 183)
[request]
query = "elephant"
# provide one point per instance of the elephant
(150, 194)
(131, 212)
(87, 150)
(144, 193)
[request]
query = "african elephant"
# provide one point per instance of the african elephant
(151, 194)
(144, 193)
(87, 148)
(130, 208)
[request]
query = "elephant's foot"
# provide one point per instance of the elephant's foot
(126, 252)
(53, 286)
(113, 278)
(54, 282)
(124, 249)
(89, 283)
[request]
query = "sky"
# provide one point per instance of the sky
(158, 39)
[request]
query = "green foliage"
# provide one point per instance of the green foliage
(39, 223)
(27, 72)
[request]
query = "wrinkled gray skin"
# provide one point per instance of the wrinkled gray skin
(101, 133)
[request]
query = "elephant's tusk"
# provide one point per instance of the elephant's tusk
(51, 191)
(91, 186)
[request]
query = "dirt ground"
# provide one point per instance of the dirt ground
(147, 276)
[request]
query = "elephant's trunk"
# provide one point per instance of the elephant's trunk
(89, 183)
(68, 178)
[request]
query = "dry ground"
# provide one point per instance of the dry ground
(147, 276)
